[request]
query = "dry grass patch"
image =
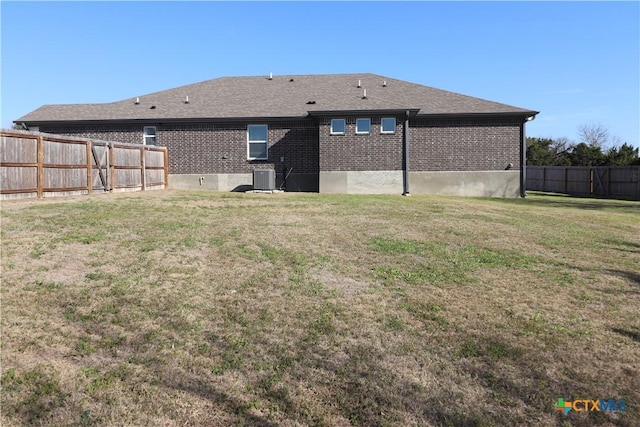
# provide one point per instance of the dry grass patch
(200, 308)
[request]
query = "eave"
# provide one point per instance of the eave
(526, 115)
(390, 111)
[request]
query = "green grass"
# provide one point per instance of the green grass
(193, 307)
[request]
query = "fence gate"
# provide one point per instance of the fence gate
(101, 166)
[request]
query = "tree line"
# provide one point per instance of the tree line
(597, 148)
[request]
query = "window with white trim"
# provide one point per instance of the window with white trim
(257, 142)
(388, 125)
(338, 126)
(149, 135)
(363, 126)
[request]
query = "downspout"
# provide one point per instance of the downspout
(523, 161)
(523, 157)
(405, 174)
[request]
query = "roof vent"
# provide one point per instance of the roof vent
(186, 99)
(270, 76)
(311, 102)
(365, 94)
(137, 101)
(359, 83)
(290, 80)
(153, 107)
(384, 83)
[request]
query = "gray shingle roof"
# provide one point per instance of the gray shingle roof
(281, 96)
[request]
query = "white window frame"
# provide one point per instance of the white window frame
(363, 133)
(146, 134)
(344, 126)
(388, 131)
(265, 142)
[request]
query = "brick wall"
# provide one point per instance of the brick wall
(354, 152)
(308, 146)
(464, 145)
(131, 134)
(216, 147)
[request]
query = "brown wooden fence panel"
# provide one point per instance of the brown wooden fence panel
(19, 160)
(623, 181)
(34, 164)
(578, 181)
(127, 164)
(619, 182)
(154, 168)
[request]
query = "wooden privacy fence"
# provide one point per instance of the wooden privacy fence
(34, 164)
(617, 182)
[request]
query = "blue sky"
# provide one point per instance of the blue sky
(575, 62)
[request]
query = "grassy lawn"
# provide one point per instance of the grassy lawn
(201, 308)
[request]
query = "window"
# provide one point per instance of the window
(338, 126)
(363, 125)
(257, 142)
(149, 135)
(388, 125)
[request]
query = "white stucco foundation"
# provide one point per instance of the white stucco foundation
(216, 182)
(467, 183)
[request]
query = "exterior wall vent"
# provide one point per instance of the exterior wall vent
(264, 179)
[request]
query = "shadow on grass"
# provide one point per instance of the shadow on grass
(194, 385)
(522, 384)
(623, 245)
(573, 202)
(634, 335)
(357, 389)
(633, 276)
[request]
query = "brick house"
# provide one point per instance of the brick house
(343, 133)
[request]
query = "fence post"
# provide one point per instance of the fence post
(166, 169)
(112, 167)
(143, 185)
(591, 182)
(89, 167)
(107, 169)
(40, 160)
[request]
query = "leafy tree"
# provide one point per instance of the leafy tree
(539, 152)
(587, 155)
(623, 156)
(548, 152)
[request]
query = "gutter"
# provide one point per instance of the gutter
(523, 114)
(157, 121)
(390, 111)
